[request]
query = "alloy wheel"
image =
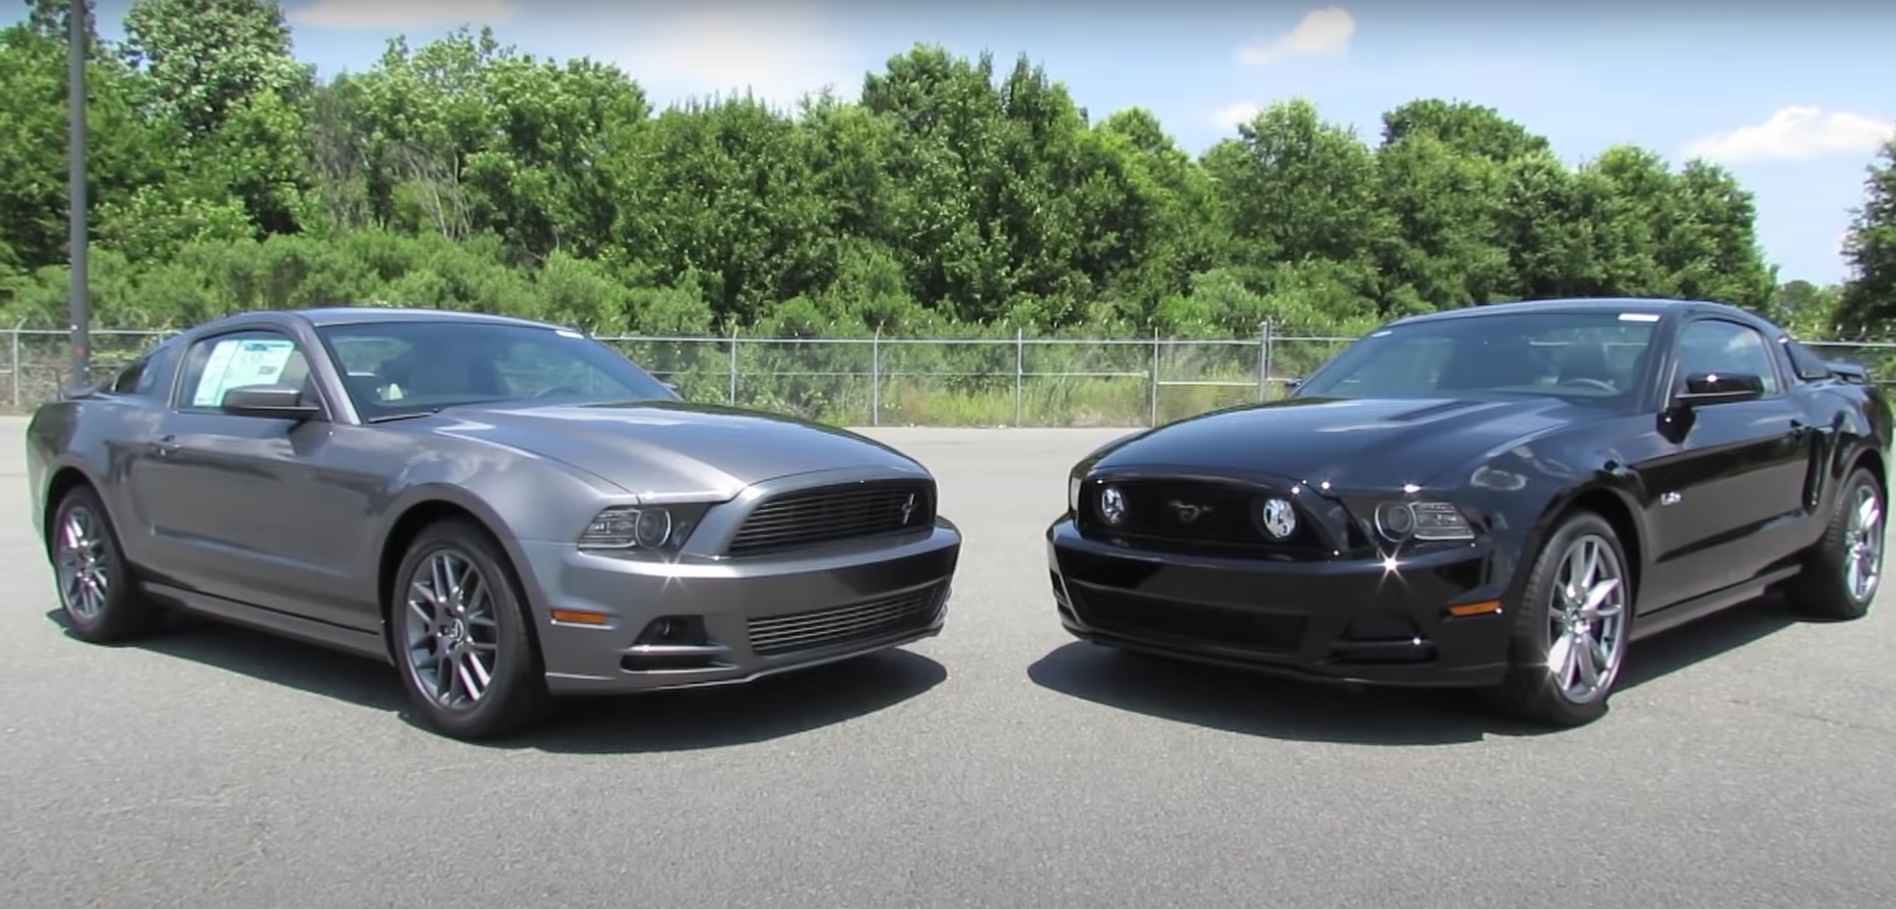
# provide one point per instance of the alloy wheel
(1587, 620)
(1863, 544)
(452, 634)
(84, 583)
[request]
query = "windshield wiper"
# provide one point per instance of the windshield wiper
(392, 417)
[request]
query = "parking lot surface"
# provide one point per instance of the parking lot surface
(1751, 762)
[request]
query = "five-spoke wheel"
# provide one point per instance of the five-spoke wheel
(1843, 571)
(1571, 626)
(1587, 619)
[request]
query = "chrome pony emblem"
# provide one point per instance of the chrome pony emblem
(908, 508)
(1187, 512)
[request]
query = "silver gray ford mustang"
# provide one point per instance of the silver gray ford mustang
(505, 510)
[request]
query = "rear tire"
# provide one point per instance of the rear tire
(96, 589)
(459, 631)
(1845, 569)
(1571, 628)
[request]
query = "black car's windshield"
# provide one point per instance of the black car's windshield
(396, 368)
(1579, 355)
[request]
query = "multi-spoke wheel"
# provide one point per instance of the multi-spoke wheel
(1571, 626)
(1845, 568)
(460, 634)
(94, 588)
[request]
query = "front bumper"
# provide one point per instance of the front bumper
(691, 624)
(1342, 620)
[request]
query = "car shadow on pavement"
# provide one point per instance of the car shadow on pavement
(765, 709)
(1254, 704)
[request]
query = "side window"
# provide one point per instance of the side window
(239, 360)
(1715, 345)
(132, 378)
(1809, 366)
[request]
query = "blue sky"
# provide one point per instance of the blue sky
(1792, 97)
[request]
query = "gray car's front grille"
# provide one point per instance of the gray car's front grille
(808, 517)
(855, 623)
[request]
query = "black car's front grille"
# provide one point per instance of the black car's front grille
(855, 623)
(809, 517)
(1131, 614)
(1195, 512)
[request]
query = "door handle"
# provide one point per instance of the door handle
(165, 446)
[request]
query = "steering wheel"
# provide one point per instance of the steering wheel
(1594, 383)
(559, 390)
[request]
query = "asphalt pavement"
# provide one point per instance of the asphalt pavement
(1749, 762)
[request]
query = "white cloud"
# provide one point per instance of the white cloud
(368, 14)
(776, 51)
(1321, 31)
(1230, 115)
(1796, 133)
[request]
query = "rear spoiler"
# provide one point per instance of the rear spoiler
(1848, 372)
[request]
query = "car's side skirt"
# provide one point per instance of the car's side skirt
(321, 634)
(1698, 607)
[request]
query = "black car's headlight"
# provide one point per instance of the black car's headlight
(1424, 521)
(650, 528)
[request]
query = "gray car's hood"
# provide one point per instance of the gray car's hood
(672, 447)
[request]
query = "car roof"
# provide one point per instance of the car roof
(1658, 306)
(322, 316)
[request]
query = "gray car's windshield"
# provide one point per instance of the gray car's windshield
(1599, 356)
(398, 367)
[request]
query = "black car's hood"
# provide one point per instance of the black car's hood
(1348, 443)
(671, 447)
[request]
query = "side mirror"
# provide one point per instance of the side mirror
(1702, 388)
(281, 402)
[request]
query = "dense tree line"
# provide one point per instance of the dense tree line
(950, 196)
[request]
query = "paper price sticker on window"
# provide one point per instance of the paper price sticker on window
(239, 364)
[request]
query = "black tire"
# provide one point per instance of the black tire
(1822, 590)
(1533, 690)
(515, 694)
(122, 612)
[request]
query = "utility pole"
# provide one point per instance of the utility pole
(76, 192)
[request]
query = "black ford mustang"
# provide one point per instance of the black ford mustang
(1502, 496)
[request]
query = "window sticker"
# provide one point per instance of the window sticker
(239, 364)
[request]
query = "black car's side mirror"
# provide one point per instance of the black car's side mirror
(281, 402)
(1704, 388)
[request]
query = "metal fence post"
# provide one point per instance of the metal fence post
(1264, 360)
(16, 367)
(875, 379)
(733, 392)
(1153, 420)
(1020, 370)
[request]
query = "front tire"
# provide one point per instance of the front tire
(96, 592)
(459, 632)
(1845, 568)
(1571, 627)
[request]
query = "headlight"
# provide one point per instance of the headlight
(658, 528)
(1425, 521)
(1073, 494)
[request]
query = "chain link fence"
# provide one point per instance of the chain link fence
(1113, 382)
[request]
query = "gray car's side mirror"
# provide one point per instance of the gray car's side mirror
(282, 402)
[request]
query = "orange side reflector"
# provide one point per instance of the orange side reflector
(580, 618)
(1485, 607)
